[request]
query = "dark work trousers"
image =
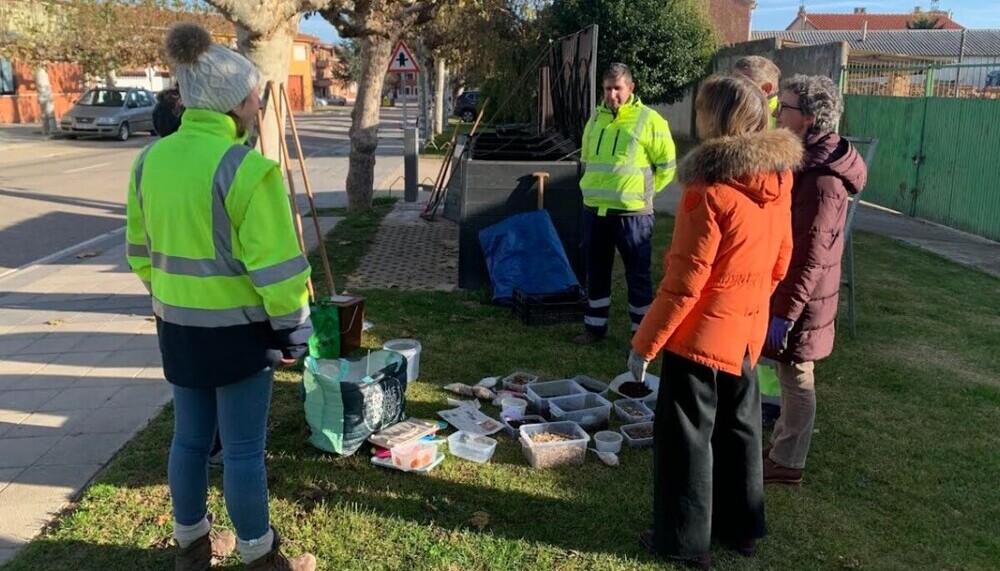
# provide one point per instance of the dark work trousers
(632, 236)
(707, 468)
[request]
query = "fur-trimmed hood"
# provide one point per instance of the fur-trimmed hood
(746, 161)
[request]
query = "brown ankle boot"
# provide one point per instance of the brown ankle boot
(199, 555)
(275, 560)
(775, 473)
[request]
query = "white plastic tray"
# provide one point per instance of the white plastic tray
(387, 463)
(652, 381)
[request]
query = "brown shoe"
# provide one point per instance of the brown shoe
(210, 547)
(702, 562)
(588, 338)
(775, 473)
(275, 560)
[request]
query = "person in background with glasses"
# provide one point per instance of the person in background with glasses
(804, 307)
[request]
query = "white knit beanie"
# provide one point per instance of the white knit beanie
(210, 76)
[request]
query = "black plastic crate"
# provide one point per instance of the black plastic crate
(550, 308)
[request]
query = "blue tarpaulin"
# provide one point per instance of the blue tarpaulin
(524, 252)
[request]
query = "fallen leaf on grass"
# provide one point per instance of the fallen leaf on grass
(848, 562)
(479, 521)
(162, 519)
(88, 254)
(164, 542)
(55, 322)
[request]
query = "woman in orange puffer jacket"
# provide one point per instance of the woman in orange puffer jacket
(731, 246)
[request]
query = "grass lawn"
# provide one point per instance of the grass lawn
(902, 475)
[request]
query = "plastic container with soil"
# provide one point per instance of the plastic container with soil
(632, 411)
(553, 444)
(513, 421)
(414, 456)
(518, 382)
(639, 435)
(472, 447)
(539, 394)
(592, 385)
(591, 411)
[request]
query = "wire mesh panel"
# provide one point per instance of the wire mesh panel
(969, 81)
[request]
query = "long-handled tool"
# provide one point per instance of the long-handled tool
(293, 198)
(438, 195)
(309, 193)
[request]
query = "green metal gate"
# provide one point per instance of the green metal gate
(939, 157)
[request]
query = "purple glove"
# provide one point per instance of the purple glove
(777, 333)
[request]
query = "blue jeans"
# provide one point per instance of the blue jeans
(240, 411)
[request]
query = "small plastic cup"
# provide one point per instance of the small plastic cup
(514, 404)
(607, 441)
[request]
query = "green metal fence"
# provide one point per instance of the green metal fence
(938, 157)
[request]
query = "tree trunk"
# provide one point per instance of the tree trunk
(111, 78)
(45, 103)
(439, 84)
(375, 53)
(270, 55)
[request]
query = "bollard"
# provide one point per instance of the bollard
(410, 174)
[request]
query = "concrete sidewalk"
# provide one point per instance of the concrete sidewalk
(959, 247)
(79, 376)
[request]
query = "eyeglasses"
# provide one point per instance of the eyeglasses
(782, 106)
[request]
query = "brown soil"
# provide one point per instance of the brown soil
(521, 380)
(634, 390)
(638, 432)
(632, 409)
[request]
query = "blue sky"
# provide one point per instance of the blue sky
(777, 14)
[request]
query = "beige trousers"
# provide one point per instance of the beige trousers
(793, 431)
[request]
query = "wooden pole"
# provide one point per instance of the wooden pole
(309, 194)
(293, 198)
(444, 184)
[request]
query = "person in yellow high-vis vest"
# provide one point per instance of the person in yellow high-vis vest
(628, 157)
(210, 234)
(766, 75)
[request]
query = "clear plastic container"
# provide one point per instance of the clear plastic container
(512, 421)
(591, 411)
(572, 450)
(414, 456)
(539, 394)
(518, 382)
(631, 411)
(514, 404)
(636, 441)
(608, 441)
(472, 447)
(592, 385)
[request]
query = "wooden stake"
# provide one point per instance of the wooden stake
(309, 194)
(293, 198)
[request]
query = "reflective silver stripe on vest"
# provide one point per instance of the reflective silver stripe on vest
(209, 317)
(615, 194)
(137, 250)
(291, 320)
(222, 227)
(279, 272)
(224, 264)
(640, 124)
(138, 177)
(665, 166)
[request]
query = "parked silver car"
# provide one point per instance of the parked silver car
(110, 112)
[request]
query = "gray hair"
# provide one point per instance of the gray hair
(617, 70)
(758, 69)
(819, 97)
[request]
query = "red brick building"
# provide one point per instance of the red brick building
(731, 18)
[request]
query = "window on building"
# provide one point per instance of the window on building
(406, 90)
(6, 77)
(299, 53)
(409, 77)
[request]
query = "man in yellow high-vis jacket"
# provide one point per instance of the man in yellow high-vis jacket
(210, 233)
(628, 156)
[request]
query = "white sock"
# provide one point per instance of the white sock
(187, 534)
(255, 548)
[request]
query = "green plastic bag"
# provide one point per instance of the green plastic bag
(767, 376)
(348, 400)
(325, 340)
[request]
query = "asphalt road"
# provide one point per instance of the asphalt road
(58, 193)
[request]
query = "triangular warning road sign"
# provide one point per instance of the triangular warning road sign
(402, 60)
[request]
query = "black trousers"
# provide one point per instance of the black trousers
(707, 468)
